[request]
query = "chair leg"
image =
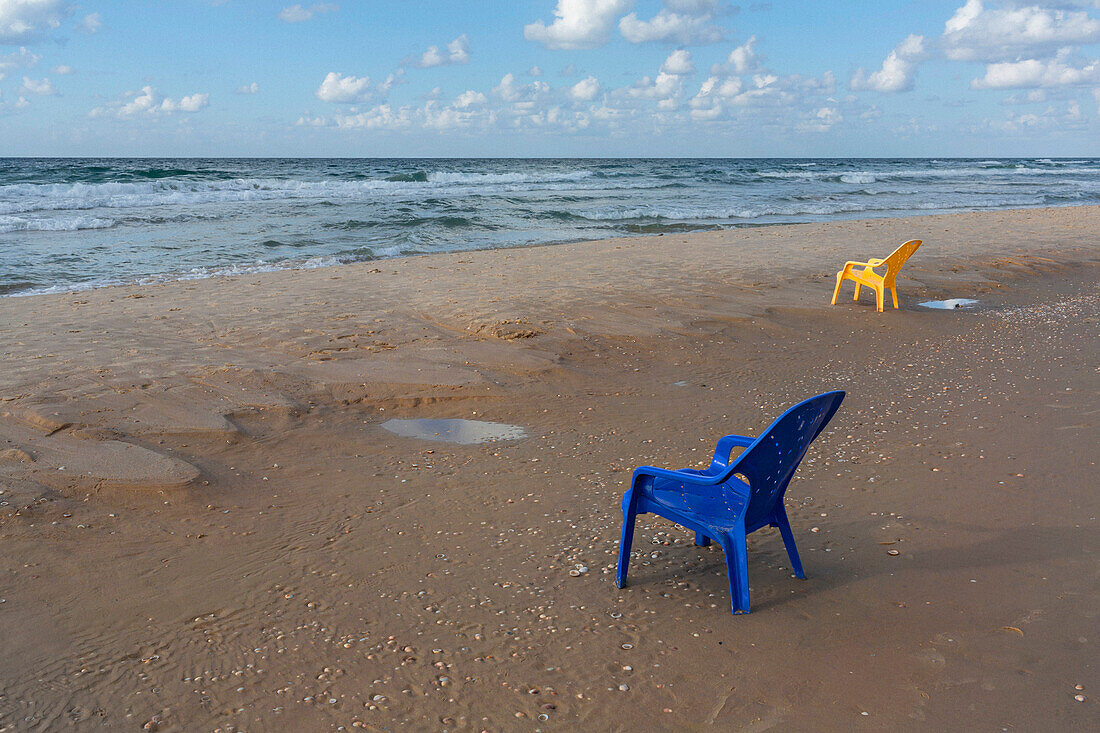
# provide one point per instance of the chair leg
(879, 292)
(784, 525)
(737, 568)
(702, 540)
(858, 287)
(836, 290)
(894, 293)
(627, 539)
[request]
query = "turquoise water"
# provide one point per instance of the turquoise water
(69, 224)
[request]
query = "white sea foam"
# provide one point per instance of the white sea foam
(57, 224)
(799, 209)
(28, 197)
(447, 177)
(946, 173)
(195, 273)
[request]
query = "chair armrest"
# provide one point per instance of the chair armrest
(875, 262)
(725, 445)
(688, 478)
(872, 264)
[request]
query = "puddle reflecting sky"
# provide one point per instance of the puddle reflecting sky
(465, 432)
(949, 304)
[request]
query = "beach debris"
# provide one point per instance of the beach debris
(1012, 628)
(950, 304)
(578, 570)
(892, 551)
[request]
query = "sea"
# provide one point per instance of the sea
(71, 224)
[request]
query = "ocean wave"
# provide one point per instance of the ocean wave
(28, 197)
(450, 177)
(59, 224)
(925, 173)
(801, 208)
(196, 273)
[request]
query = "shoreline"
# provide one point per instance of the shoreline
(207, 526)
(230, 271)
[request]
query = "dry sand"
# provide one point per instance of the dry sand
(205, 528)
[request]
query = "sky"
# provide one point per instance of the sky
(550, 78)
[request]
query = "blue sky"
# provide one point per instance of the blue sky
(550, 78)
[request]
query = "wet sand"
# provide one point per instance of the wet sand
(205, 526)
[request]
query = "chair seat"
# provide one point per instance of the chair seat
(866, 276)
(719, 508)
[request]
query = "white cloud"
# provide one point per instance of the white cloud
(678, 63)
(510, 91)
(897, 72)
(1032, 96)
(147, 102)
(534, 71)
(717, 88)
(90, 24)
(585, 90)
(458, 52)
(21, 59)
(432, 115)
(344, 89)
(299, 14)
(392, 80)
(381, 117)
(507, 90)
(248, 88)
(307, 121)
(686, 22)
(743, 89)
(190, 103)
(39, 87)
(1033, 73)
(437, 117)
(470, 98)
(22, 20)
(63, 69)
(1052, 119)
(821, 120)
(975, 33)
(578, 24)
(665, 88)
(741, 60)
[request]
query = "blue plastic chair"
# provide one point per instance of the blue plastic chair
(729, 500)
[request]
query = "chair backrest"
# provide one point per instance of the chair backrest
(770, 462)
(898, 257)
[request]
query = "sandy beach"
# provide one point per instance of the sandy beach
(206, 528)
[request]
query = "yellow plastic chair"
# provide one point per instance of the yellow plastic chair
(879, 283)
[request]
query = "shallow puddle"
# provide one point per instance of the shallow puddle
(465, 432)
(951, 304)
